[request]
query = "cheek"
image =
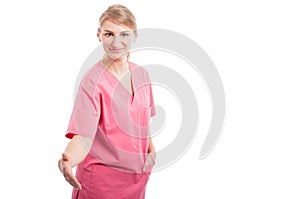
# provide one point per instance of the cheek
(128, 42)
(106, 42)
(128, 46)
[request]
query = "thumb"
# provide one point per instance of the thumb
(66, 157)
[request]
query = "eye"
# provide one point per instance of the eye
(108, 34)
(124, 34)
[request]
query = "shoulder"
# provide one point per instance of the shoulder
(139, 73)
(91, 79)
(94, 73)
(138, 69)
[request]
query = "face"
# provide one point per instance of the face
(116, 39)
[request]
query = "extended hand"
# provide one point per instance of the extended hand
(64, 165)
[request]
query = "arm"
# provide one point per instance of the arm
(75, 152)
(151, 156)
(84, 122)
(78, 148)
(151, 149)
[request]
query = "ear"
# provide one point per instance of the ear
(98, 34)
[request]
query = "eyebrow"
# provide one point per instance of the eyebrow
(125, 31)
(108, 31)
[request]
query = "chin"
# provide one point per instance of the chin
(115, 56)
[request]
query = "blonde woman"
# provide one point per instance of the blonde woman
(109, 125)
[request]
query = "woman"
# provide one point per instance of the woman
(109, 125)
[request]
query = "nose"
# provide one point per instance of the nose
(116, 42)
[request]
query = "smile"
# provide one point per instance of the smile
(116, 50)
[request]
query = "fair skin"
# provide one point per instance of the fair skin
(116, 40)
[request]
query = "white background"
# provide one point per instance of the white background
(255, 46)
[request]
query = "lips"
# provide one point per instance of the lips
(116, 50)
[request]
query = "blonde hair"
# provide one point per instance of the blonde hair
(119, 14)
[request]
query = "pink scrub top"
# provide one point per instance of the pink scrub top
(118, 123)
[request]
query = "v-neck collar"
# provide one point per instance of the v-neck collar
(119, 81)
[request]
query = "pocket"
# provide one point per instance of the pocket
(144, 116)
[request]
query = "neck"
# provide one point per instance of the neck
(117, 66)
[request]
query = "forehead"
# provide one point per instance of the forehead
(113, 27)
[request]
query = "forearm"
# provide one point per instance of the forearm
(151, 148)
(78, 148)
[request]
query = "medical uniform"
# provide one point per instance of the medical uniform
(118, 123)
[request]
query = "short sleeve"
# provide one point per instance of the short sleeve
(87, 108)
(153, 112)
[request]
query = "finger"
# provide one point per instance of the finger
(67, 171)
(152, 157)
(68, 174)
(74, 182)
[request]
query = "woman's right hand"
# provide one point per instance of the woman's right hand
(64, 165)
